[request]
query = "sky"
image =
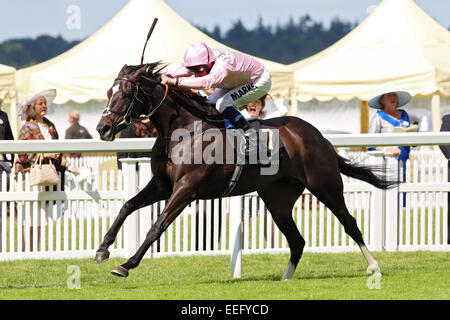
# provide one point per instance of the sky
(31, 18)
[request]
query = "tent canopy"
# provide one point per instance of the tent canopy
(7, 82)
(398, 44)
(86, 71)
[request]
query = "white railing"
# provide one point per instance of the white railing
(74, 220)
(65, 221)
(145, 144)
(423, 202)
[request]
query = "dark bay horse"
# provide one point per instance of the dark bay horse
(308, 161)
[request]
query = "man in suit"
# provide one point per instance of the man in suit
(6, 160)
(446, 151)
(76, 131)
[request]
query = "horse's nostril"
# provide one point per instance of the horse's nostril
(103, 129)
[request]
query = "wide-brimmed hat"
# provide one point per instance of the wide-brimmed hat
(49, 96)
(403, 97)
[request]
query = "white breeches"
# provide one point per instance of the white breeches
(241, 95)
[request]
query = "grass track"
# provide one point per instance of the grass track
(406, 275)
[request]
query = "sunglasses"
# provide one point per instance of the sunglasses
(196, 69)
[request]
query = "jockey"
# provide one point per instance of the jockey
(232, 80)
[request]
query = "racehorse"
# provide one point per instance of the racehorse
(308, 160)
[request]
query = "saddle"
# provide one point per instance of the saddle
(265, 152)
(264, 141)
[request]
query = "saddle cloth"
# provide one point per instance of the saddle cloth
(267, 139)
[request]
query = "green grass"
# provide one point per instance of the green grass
(406, 275)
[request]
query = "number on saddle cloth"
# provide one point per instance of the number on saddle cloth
(228, 124)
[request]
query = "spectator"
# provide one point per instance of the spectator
(137, 129)
(38, 127)
(5, 163)
(446, 151)
(6, 160)
(255, 108)
(76, 131)
(264, 109)
(389, 117)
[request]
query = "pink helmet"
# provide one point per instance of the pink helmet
(198, 54)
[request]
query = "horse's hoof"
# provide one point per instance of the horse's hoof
(101, 256)
(289, 273)
(374, 270)
(120, 272)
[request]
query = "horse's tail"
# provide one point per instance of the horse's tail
(370, 174)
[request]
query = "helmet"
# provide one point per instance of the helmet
(198, 54)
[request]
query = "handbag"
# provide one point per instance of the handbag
(43, 174)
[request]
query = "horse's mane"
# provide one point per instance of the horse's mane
(187, 97)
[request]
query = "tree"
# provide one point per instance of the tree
(288, 43)
(21, 53)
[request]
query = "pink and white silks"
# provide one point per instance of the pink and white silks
(237, 79)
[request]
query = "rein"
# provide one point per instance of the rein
(166, 91)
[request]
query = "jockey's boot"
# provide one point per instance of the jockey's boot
(251, 138)
(239, 121)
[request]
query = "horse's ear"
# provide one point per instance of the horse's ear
(137, 73)
(142, 69)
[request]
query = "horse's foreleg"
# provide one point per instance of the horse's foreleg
(178, 201)
(156, 190)
(280, 198)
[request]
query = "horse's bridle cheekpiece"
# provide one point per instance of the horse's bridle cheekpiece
(127, 118)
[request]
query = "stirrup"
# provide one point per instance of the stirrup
(251, 142)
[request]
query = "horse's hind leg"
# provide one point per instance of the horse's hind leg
(155, 190)
(330, 193)
(351, 228)
(280, 198)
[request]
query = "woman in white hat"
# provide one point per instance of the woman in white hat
(38, 127)
(388, 117)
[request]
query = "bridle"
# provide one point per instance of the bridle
(127, 118)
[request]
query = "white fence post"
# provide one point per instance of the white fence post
(377, 207)
(236, 236)
(392, 206)
(131, 225)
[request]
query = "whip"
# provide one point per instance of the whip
(148, 37)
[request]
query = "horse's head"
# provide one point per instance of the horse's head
(127, 99)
